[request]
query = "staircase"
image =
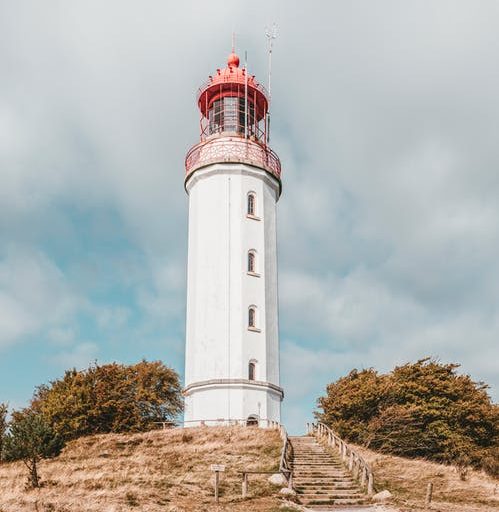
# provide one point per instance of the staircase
(319, 478)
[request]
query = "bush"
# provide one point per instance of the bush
(30, 439)
(422, 409)
(110, 398)
(490, 461)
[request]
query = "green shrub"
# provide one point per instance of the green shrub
(422, 409)
(110, 398)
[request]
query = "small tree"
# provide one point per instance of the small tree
(3, 426)
(30, 439)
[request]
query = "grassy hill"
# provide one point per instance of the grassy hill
(407, 480)
(155, 471)
(169, 471)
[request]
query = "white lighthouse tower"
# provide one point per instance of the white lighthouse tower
(233, 180)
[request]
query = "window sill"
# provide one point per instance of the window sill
(252, 217)
(253, 274)
(254, 329)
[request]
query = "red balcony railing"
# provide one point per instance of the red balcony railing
(233, 150)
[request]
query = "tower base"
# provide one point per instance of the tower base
(232, 402)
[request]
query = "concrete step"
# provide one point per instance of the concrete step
(330, 500)
(316, 457)
(327, 491)
(319, 478)
(320, 504)
(319, 463)
(299, 480)
(331, 496)
(319, 473)
(319, 467)
(319, 460)
(331, 485)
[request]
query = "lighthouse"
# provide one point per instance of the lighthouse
(233, 181)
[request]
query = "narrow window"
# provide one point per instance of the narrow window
(251, 262)
(252, 370)
(251, 204)
(252, 317)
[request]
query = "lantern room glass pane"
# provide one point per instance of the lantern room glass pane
(227, 115)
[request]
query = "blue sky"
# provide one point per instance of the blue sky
(386, 119)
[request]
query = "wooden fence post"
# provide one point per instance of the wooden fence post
(217, 478)
(245, 485)
(429, 494)
(370, 484)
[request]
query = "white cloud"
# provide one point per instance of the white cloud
(79, 357)
(33, 295)
(62, 336)
(112, 317)
(385, 118)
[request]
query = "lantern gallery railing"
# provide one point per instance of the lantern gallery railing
(234, 150)
(359, 468)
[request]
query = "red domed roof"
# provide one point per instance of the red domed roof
(233, 60)
(231, 82)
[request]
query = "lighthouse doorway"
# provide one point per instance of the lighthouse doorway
(252, 421)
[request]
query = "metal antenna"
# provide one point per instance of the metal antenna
(233, 42)
(245, 94)
(271, 34)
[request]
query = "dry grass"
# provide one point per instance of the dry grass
(407, 479)
(159, 470)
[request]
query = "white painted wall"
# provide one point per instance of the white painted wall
(219, 291)
(210, 403)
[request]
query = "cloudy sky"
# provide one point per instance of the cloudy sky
(386, 119)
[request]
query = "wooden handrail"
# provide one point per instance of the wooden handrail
(356, 464)
(286, 461)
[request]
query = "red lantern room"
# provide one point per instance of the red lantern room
(232, 100)
(234, 122)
